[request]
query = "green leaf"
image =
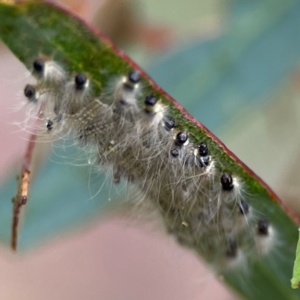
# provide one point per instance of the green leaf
(40, 28)
(295, 281)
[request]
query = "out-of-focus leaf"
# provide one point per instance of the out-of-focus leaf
(216, 79)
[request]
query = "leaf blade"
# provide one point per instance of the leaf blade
(44, 28)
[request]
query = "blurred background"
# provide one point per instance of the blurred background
(234, 65)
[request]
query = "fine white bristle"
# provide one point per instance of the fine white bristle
(131, 135)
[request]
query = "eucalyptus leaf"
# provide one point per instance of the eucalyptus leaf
(30, 29)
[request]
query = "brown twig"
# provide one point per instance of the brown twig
(23, 185)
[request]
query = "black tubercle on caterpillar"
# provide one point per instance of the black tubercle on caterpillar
(203, 149)
(227, 182)
(133, 136)
(174, 152)
(49, 125)
(263, 227)
(38, 66)
(150, 102)
(30, 93)
(169, 123)
(181, 138)
(80, 81)
(133, 78)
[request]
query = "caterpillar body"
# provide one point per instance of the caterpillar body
(133, 134)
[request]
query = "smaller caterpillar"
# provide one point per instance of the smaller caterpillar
(134, 135)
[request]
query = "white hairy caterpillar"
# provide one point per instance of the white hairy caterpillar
(132, 134)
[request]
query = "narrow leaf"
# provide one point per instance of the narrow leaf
(32, 29)
(295, 281)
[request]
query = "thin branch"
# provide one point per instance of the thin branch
(23, 185)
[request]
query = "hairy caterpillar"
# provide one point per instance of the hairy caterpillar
(245, 232)
(133, 134)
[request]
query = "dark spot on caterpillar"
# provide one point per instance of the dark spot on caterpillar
(205, 161)
(244, 207)
(203, 149)
(169, 123)
(29, 92)
(174, 152)
(181, 137)
(194, 160)
(263, 227)
(80, 81)
(134, 77)
(231, 249)
(150, 100)
(38, 65)
(227, 182)
(49, 125)
(123, 102)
